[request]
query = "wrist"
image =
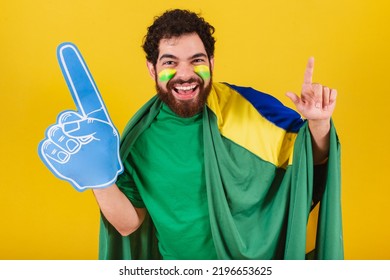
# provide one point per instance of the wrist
(319, 123)
(319, 127)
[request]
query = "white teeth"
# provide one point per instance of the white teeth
(186, 88)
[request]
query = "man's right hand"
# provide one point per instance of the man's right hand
(83, 146)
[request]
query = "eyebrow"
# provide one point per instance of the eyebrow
(167, 56)
(197, 55)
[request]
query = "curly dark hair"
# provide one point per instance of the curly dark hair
(174, 23)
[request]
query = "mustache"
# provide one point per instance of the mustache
(181, 81)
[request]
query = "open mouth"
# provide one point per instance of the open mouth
(185, 92)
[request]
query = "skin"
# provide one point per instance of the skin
(181, 54)
(316, 103)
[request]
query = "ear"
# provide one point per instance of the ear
(151, 68)
(212, 63)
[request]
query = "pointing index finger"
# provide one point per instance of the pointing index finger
(80, 82)
(308, 79)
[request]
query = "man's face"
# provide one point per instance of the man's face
(183, 74)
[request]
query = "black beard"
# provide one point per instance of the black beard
(185, 108)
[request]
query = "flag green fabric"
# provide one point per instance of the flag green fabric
(259, 198)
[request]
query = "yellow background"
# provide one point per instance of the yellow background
(263, 44)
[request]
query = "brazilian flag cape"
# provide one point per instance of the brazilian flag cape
(260, 182)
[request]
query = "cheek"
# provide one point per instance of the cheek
(162, 87)
(166, 75)
(203, 71)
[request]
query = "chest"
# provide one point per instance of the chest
(169, 160)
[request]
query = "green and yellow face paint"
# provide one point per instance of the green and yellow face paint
(166, 74)
(202, 71)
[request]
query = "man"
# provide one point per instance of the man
(212, 170)
(239, 204)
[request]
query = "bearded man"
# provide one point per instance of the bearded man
(209, 171)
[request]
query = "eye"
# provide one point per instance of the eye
(198, 61)
(168, 63)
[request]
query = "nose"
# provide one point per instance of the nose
(185, 71)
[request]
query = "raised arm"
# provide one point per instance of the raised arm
(82, 147)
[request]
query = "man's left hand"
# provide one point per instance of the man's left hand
(317, 102)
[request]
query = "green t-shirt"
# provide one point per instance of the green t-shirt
(165, 174)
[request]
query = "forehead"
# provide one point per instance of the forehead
(183, 46)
